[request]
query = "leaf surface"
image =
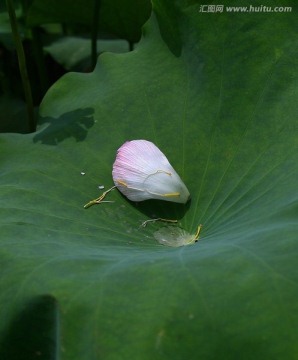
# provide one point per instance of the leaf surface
(217, 93)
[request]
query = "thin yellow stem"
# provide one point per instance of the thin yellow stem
(198, 232)
(99, 200)
(144, 223)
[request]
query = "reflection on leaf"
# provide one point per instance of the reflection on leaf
(71, 124)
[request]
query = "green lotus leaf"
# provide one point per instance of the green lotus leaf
(217, 93)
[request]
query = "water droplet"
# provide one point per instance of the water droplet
(173, 236)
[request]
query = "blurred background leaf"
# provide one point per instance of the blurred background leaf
(62, 36)
(121, 18)
(73, 52)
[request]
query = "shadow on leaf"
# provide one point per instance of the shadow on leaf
(33, 333)
(162, 209)
(71, 124)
